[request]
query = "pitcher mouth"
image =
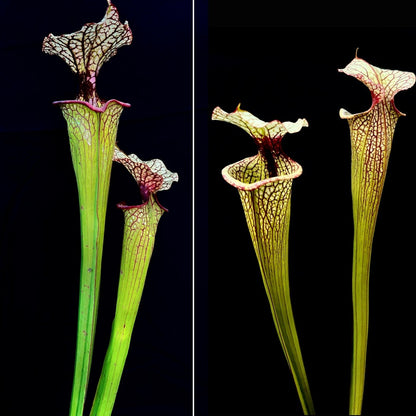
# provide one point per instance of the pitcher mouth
(233, 179)
(123, 206)
(91, 106)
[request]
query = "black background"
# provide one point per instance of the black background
(39, 234)
(285, 73)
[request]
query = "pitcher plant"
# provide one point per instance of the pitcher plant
(264, 182)
(141, 222)
(92, 129)
(371, 139)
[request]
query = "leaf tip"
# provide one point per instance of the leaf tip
(344, 114)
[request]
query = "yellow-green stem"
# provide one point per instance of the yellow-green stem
(91, 255)
(364, 231)
(270, 235)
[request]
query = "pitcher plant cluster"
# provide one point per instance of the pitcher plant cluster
(92, 129)
(264, 182)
